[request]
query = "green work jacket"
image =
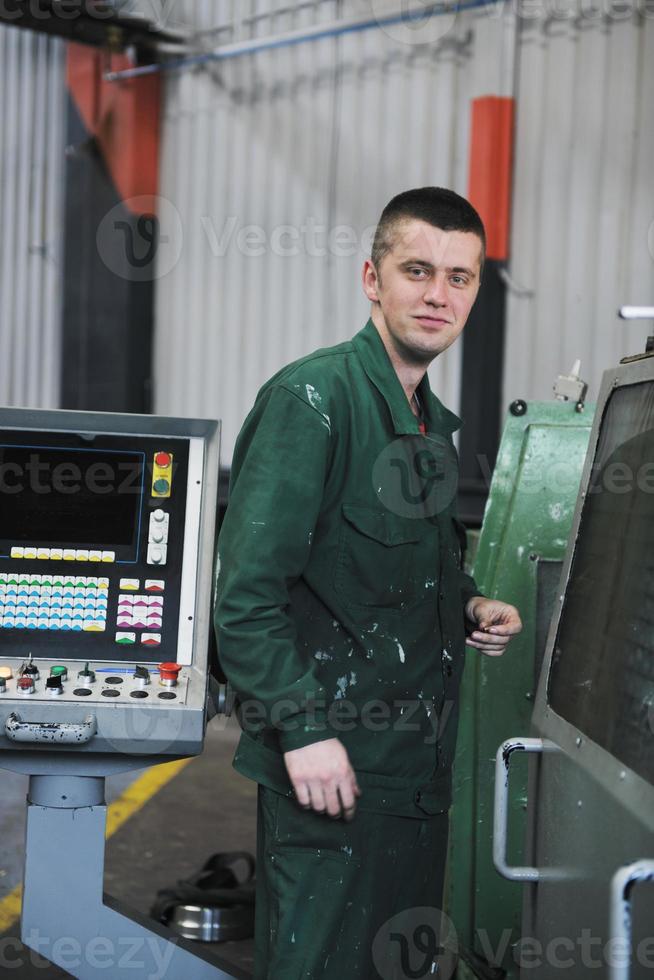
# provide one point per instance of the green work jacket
(339, 592)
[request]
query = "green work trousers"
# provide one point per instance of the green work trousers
(329, 892)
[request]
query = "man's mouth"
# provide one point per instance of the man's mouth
(428, 319)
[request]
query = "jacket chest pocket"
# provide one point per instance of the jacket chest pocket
(384, 559)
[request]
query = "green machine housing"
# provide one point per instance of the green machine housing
(519, 559)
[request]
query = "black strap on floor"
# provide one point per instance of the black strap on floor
(214, 886)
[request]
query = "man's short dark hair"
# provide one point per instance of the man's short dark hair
(438, 206)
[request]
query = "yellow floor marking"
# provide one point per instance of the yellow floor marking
(10, 908)
(126, 805)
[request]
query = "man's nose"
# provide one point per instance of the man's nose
(436, 290)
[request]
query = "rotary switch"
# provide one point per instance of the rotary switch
(54, 686)
(86, 677)
(141, 676)
(30, 669)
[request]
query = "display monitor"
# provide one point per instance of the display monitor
(602, 670)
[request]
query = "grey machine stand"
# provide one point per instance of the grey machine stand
(106, 544)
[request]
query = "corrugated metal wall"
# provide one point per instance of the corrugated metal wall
(584, 197)
(279, 164)
(32, 130)
(261, 152)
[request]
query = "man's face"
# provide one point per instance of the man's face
(424, 289)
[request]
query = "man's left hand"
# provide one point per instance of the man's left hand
(496, 622)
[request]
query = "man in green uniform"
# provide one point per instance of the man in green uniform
(342, 609)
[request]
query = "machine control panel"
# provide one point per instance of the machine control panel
(88, 549)
(106, 545)
(92, 682)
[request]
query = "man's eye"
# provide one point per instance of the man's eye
(417, 272)
(459, 280)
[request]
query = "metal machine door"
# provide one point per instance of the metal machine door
(589, 878)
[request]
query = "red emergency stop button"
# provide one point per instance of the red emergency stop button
(168, 674)
(162, 460)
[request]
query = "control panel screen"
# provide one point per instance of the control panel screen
(602, 673)
(82, 497)
(92, 545)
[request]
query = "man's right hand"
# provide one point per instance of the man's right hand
(323, 778)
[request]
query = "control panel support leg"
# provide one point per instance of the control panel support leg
(65, 917)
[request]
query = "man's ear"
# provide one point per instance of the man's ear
(370, 281)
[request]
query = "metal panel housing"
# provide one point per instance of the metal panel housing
(589, 814)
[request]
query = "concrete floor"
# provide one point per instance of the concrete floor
(207, 807)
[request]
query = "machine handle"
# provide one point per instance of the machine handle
(53, 732)
(501, 808)
(621, 892)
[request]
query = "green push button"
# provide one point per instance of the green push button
(161, 486)
(59, 671)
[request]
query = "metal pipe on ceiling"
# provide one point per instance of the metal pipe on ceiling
(300, 36)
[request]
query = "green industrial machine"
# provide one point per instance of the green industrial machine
(519, 559)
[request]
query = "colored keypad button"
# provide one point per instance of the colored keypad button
(151, 639)
(126, 639)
